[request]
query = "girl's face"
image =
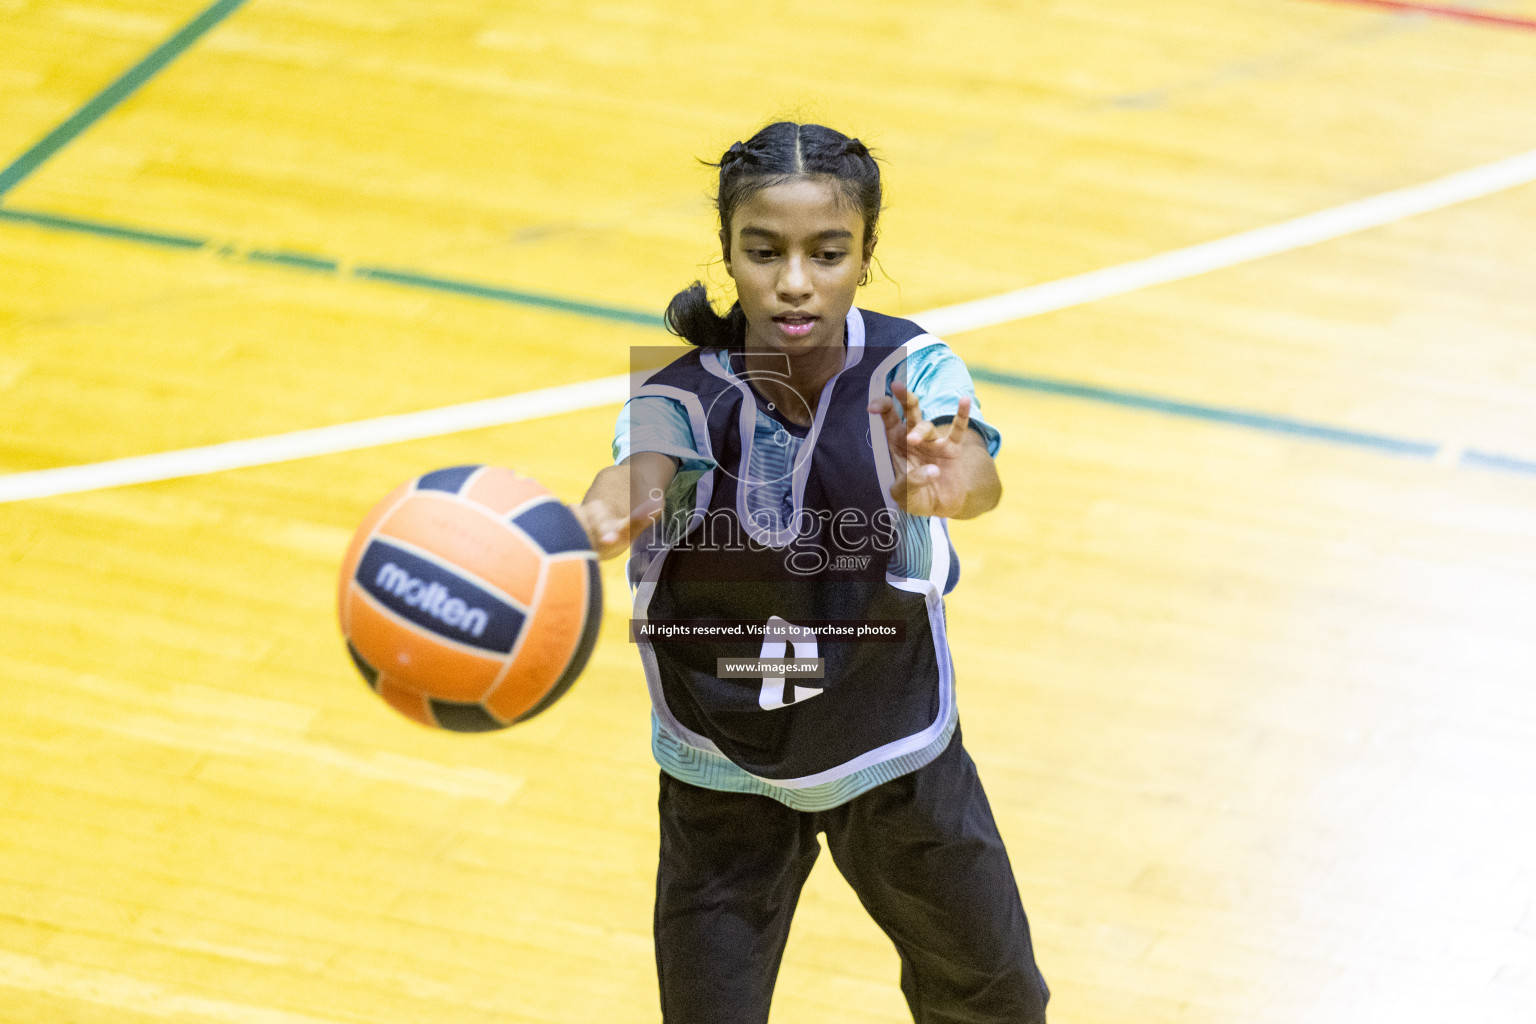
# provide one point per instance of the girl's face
(796, 254)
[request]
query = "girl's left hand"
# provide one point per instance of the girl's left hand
(932, 463)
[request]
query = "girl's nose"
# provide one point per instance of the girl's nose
(794, 281)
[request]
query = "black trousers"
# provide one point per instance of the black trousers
(921, 851)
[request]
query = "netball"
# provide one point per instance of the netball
(470, 598)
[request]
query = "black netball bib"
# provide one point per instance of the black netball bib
(736, 574)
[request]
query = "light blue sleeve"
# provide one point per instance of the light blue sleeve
(654, 423)
(939, 379)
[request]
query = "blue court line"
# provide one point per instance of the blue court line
(1304, 429)
(103, 102)
(1487, 460)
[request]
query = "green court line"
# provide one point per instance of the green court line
(326, 264)
(135, 77)
(1044, 385)
(118, 231)
(1210, 413)
(486, 291)
(293, 259)
(126, 85)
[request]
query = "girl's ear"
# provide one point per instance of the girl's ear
(869, 254)
(725, 253)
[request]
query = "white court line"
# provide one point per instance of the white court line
(1175, 265)
(303, 444)
(1178, 264)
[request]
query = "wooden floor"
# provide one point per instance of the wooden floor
(1256, 708)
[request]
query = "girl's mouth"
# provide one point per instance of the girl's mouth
(795, 325)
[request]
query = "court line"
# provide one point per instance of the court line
(1034, 300)
(1178, 264)
(1491, 460)
(331, 265)
(567, 398)
(120, 232)
(415, 279)
(1211, 413)
(1443, 11)
(1245, 247)
(103, 102)
(304, 444)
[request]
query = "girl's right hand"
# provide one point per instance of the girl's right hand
(608, 534)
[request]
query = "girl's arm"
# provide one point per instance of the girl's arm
(623, 500)
(940, 471)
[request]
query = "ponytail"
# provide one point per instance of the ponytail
(691, 317)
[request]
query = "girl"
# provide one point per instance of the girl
(783, 489)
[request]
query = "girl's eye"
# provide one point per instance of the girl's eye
(830, 255)
(761, 255)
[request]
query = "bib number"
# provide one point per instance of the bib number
(771, 697)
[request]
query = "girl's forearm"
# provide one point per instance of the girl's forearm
(641, 478)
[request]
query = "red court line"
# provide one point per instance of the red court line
(1441, 11)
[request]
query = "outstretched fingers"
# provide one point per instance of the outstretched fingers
(911, 411)
(962, 420)
(887, 412)
(918, 430)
